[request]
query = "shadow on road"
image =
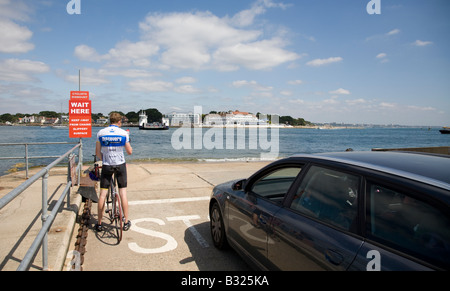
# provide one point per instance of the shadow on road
(206, 256)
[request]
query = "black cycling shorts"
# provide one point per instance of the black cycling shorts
(108, 171)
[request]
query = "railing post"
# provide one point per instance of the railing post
(80, 160)
(44, 219)
(69, 177)
(26, 159)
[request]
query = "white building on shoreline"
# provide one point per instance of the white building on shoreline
(236, 118)
(180, 119)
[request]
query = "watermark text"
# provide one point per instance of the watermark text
(261, 137)
(374, 7)
(74, 7)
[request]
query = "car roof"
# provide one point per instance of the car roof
(430, 169)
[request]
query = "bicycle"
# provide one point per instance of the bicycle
(114, 206)
(113, 202)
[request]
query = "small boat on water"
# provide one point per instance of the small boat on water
(153, 126)
(445, 130)
(144, 125)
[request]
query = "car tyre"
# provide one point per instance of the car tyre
(217, 228)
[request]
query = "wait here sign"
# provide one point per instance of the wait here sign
(80, 119)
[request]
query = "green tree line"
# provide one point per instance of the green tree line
(153, 115)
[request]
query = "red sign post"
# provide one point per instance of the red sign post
(80, 119)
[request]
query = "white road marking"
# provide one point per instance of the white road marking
(192, 229)
(171, 200)
(171, 243)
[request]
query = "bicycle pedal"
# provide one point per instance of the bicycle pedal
(108, 210)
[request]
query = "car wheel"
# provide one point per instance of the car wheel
(217, 227)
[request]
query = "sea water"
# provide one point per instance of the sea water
(158, 146)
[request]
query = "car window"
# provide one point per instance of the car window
(408, 224)
(329, 196)
(276, 184)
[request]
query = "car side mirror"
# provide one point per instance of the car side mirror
(239, 185)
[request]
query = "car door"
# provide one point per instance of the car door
(250, 214)
(405, 230)
(316, 229)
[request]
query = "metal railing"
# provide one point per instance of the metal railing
(47, 219)
(27, 157)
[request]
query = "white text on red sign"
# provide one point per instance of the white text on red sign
(81, 108)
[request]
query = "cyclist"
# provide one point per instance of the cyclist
(111, 141)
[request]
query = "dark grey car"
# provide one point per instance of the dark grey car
(339, 211)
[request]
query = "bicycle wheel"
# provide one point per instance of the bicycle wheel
(109, 203)
(118, 217)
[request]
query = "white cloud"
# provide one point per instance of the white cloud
(384, 36)
(340, 91)
(186, 80)
(204, 41)
(252, 84)
(143, 85)
(14, 97)
(297, 101)
(129, 73)
(295, 82)
(422, 43)
(286, 93)
(15, 10)
(322, 62)
(356, 101)
(124, 54)
(127, 53)
(14, 38)
(393, 32)
(87, 53)
(15, 70)
(382, 57)
(260, 55)
(89, 76)
(387, 105)
(241, 83)
(419, 108)
(247, 17)
(331, 101)
(189, 40)
(187, 89)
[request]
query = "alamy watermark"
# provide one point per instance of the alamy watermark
(375, 260)
(74, 7)
(374, 7)
(263, 136)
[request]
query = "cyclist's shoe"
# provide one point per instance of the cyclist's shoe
(127, 225)
(98, 227)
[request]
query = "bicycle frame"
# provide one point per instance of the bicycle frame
(114, 201)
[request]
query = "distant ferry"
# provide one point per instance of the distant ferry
(153, 126)
(144, 125)
(445, 130)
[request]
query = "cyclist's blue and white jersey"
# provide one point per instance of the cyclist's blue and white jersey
(113, 140)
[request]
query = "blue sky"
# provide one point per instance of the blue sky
(322, 60)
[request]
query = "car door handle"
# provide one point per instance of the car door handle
(334, 257)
